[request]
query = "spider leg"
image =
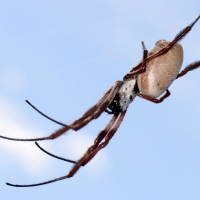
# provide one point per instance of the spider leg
(92, 109)
(99, 138)
(107, 133)
(178, 37)
(93, 113)
(107, 138)
(78, 124)
(155, 100)
(89, 112)
(140, 68)
(188, 68)
(64, 159)
(57, 122)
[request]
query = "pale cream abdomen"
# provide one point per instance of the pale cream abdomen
(161, 71)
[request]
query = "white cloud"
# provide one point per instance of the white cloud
(25, 152)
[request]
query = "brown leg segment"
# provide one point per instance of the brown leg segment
(188, 68)
(155, 100)
(178, 37)
(89, 112)
(138, 69)
(53, 120)
(50, 154)
(107, 138)
(80, 123)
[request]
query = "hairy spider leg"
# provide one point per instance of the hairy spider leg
(107, 133)
(90, 111)
(178, 37)
(78, 124)
(107, 138)
(93, 113)
(188, 68)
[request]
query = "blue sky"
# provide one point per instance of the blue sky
(62, 56)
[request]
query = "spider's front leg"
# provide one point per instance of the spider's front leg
(93, 113)
(107, 133)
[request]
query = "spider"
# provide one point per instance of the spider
(149, 79)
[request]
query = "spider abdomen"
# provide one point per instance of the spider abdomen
(124, 97)
(161, 71)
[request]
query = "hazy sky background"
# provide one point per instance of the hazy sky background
(62, 56)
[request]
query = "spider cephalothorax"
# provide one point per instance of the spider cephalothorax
(149, 79)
